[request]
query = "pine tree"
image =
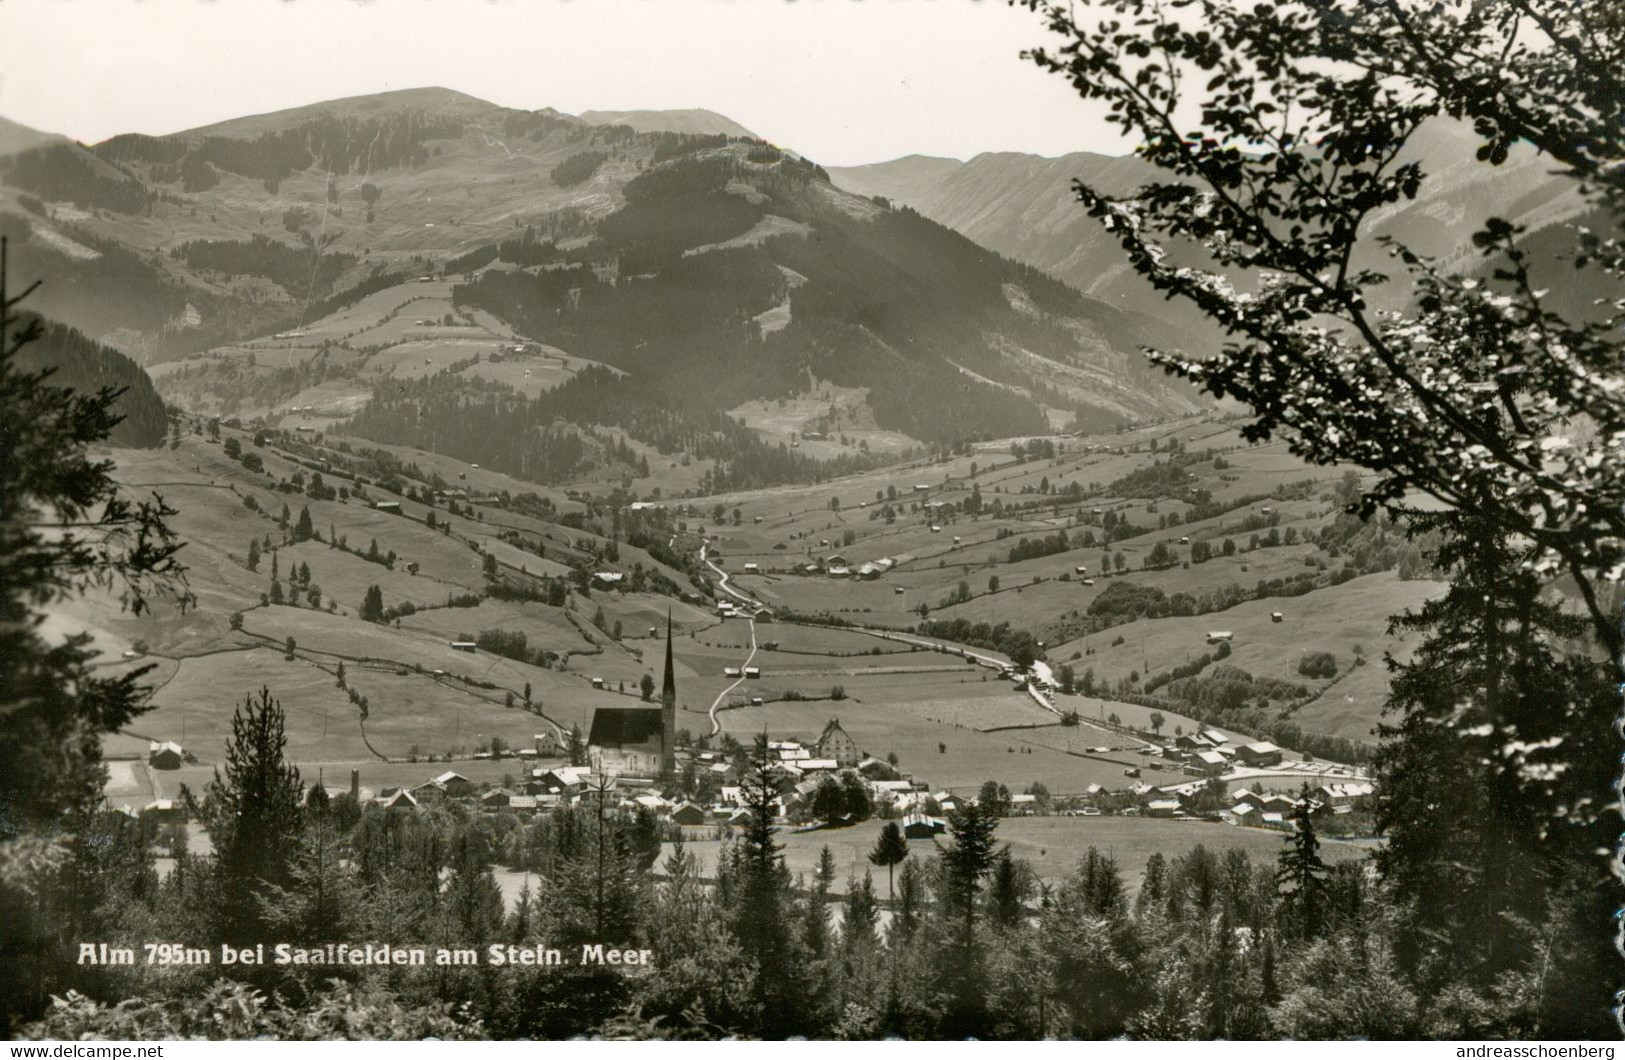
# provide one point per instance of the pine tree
(253, 816)
(304, 529)
(889, 850)
(1303, 873)
(253, 554)
(372, 605)
(761, 905)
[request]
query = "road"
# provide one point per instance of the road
(755, 609)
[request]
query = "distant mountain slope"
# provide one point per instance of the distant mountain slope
(695, 122)
(1023, 206)
(16, 137)
(87, 366)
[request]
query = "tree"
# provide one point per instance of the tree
(760, 909)
(1157, 721)
(372, 605)
(647, 687)
(993, 583)
(965, 865)
(890, 849)
(1302, 873)
(1467, 393)
(575, 746)
(65, 527)
(1484, 789)
(252, 813)
(253, 554)
(829, 802)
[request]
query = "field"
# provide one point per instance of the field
(1051, 845)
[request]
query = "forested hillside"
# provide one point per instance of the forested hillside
(81, 364)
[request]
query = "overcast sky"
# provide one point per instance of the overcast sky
(843, 81)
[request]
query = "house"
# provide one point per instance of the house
(1220, 636)
(463, 645)
(1259, 754)
(753, 673)
(836, 560)
(752, 568)
(919, 826)
(523, 803)
(164, 810)
(1209, 763)
(869, 572)
(1214, 737)
(834, 743)
(688, 814)
(1022, 804)
(731, 671)
(495, 800)
(562, 779)
(166, 755)
(609, 577)
(454, 784)
(1163, 808)
(818, 765)
(1350, 794)
(393, 507)
(839, 572)
(1275, 616)
(401, 801)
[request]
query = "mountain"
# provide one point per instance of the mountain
(16, 137)
(695, 122)
(705, 272)
(1023, 206)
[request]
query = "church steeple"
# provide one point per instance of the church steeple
(668, 710)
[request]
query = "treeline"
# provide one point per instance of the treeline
(578, 168)
(962, 940)
(520, 436)
(83, 364)
(69, 173)
(299, 270)
(1019, 644)
(339, 145)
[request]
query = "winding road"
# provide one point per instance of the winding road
(756, 608)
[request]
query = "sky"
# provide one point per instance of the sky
(842, 81)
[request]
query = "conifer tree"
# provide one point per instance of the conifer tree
(890, 849)
(1303, 874)
(253, 816)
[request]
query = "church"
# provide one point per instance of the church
(637, 741)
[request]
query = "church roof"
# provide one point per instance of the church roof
(627, 728)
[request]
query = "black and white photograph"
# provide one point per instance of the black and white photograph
(832, 520)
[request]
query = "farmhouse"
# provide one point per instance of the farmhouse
(388, 506)
(688, 814)
(454, 785)
(464, 645)
(1209, 763)
(166, 755)
(753, 673)
(919, 826)
(638, 741)
(834, 743)
(1220, 636)
(1259, 754)
(1336, 795)
(609, 577)
(401, 801)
